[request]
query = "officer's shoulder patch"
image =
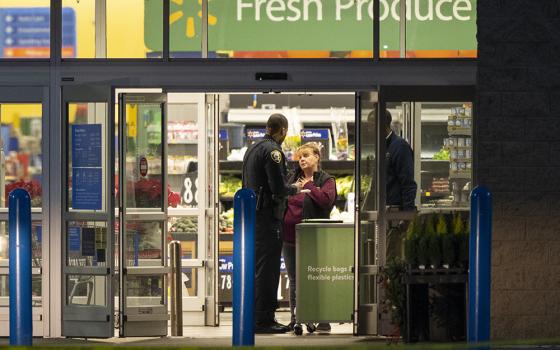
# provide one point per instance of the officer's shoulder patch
(276, 156)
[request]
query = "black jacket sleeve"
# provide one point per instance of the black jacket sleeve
(404, 169)
(275, 168)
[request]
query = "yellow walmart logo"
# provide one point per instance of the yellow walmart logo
(185, 9)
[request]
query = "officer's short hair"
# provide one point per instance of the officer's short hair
(388, 119)
(276, 122)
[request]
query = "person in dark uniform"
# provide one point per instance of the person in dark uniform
(401, 192)
(265, 172)
(401, 188)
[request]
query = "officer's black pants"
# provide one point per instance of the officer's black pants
(268, 249)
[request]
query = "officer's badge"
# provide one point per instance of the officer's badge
(276, 156)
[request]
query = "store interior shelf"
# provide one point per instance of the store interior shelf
(459, 131)
(226, 237)
(184, 236)
(331, 166)
(437, 210)
(435, 195)
(460, 175)
(433, 166)
(182, 142)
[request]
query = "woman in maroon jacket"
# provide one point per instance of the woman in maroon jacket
(315, 201)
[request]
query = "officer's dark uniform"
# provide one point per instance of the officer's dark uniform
(401, 188)
(264, 171)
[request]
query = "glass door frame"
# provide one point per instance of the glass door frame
(77, 321)
(135, 320)
(387, 94)
(33, 95)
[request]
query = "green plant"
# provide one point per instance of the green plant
(434, 242)
(461, 233)
(412, 239)
(395, 291)
(448, 246)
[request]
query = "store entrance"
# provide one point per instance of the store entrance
(144, 167)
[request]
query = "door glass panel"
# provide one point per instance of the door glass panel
(86, 290)
(144, 162)
(144, 242)
(446, 154)
(133, 29)
(190, 282)
(86, 156)
(144, 291)
(21, 136)
(368, 197)
(36, 262)
(185, 230)
(86, 243)
(182, 166)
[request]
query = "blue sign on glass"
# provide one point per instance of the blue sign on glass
(315, 134)
(223, 134)
(86, 188)
(25, 32)
(226, 264)
(86, 145)
(74, 239)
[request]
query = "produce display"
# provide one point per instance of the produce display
(442, 154)
(437, 240)
(185, 224)
(344, 185)
(226, 221)
(229, 185)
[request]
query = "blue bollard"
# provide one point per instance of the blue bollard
(244, 207)
(19, 216)
(480, 262)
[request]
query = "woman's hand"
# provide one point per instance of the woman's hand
(300, 183)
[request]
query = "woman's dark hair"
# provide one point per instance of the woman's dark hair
(276, 122)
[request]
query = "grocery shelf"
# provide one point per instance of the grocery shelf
(184, 236)
(455, 131)
(436, 195)
(182, 142)
(226, 237)
(460, 175)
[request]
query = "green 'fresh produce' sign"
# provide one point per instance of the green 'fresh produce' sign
(328, 25)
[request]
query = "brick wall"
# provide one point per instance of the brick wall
(518, 140)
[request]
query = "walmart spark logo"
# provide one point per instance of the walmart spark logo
(186, 9)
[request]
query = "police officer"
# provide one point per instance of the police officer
(264, 171)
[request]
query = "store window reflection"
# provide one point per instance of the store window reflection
(432, 29)
(24, 29)
(36, 262)
(20, 136)
(133, 29)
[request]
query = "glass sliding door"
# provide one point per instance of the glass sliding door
(22, 118)
(88, 218)
(366, 301)
(142, 212)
